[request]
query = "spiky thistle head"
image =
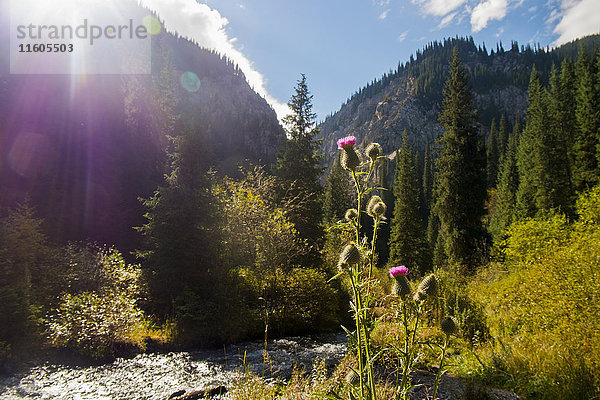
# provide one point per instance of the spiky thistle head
(350, 159)
(401, 286)
(351, 214)
(429, 286)
(449, 325)
(373, 151)
(350, 255)
(376, 207)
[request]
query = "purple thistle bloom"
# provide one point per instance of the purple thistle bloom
(400, 270)
(347, 141)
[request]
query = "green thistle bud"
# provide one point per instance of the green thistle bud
(449, 326)
(419, 296)
(350, 255)
(376, 207)
(350, 159)
(429, 286)
(352, 378)
(373, 151)
(379, 209)
(401, 287)
(351, 214)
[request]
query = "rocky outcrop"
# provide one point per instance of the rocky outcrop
(383, 117)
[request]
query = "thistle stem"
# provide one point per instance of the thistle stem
(359, 345)
(405, 366)
(439, 372)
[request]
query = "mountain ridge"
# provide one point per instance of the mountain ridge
(409, 97)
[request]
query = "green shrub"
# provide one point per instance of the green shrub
(92, 322)
(298, 300)
(454, 299)
(543, 304)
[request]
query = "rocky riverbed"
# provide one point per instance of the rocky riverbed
(156, 376)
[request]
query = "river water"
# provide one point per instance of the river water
(158, 375)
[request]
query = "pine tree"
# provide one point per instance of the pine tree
(180, 232)
(461, 180)
(338, 193)
(493, 156)
(597, 87)
(407, 239)
(542, 161)
(502, 139)
(560, 146)
(427, 190)
(299, 169)
(566, 114)
(23, 259)
(508, 183)
(530, 195)
(586, 112)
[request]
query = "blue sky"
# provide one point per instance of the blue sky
(342, 45)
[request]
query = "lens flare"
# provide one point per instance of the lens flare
(152, 24)
(190, 81)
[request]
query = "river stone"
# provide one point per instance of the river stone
(199, 394)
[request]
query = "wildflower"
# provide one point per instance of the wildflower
(399, 270)
(401, 286)
(379, 209)
(346, 142)
(373, 151)
(350, 158)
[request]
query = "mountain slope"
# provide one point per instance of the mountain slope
(409, 97)
(83, 148)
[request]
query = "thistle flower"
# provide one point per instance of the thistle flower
(399, 270)
(350, 255)
(376, 207)
(429, 286)
(401, 287)
(346, 142)
(373, 151)
(449, 326)
(351, 214)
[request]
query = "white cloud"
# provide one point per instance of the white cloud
(577, 19)
(486, 11)
(384, 14)
(446, 20)
(500, 31)
(438, 8)
(402, 36)
(206, 26)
